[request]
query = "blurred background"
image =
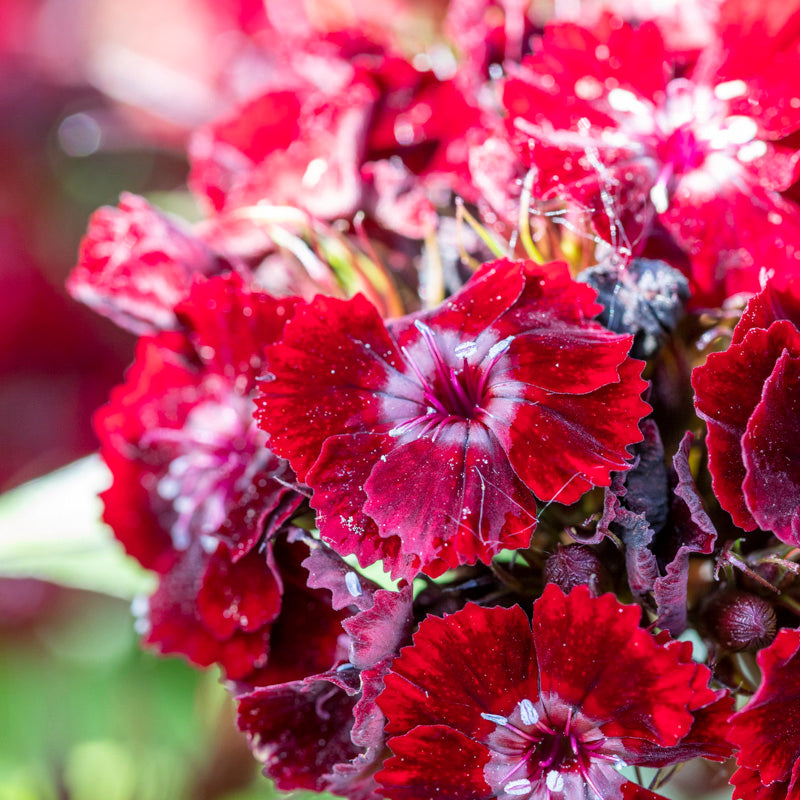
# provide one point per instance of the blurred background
(96, 97)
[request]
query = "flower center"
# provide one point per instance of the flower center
(214, 456)
(454, 384)
(537, 758)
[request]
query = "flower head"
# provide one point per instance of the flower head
(486, 704)
(610, 115)
(136, 264)
(197, 495)
(459, 408)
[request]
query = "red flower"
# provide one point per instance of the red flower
(767, 729)
(484, 706)
(749, 396)
(197, 495)
(703, 148)
(425, 442)
(136, 264)
(354, 128)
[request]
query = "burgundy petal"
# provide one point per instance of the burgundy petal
(591, 444)
(435, 761)
(335, 358)
(309, 719)
(234, 349)
(245, 595)
(429, 685)
(772, 303)
(727, 390)
(377, 632)
(771, 452)
(491, 291)
(327, 570)
(175, 625)
(338, 479)
(470, 504)
(767, 729)
(747, 786)
(693, 532)
(653, 707)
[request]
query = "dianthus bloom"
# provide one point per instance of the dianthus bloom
(486, 704)
(767, 729)
(749, 396)
(350, 127)
(702, 148)
(136, 264)
(425, 442)
(199, 498)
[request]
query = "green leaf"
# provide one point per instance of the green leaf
(51, 529)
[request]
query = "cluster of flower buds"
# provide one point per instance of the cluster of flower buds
(477, 386)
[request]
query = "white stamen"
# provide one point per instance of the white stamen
(741, 130)
(209, 543)
(659, 197)
(496, 718)
(519, 787)
(466, 349)
(623, 100)
(422, 327)
(500, 347)
(751, 151)
(554, 781)
(316, 168)
(730, 89)
(529, 715)
(353, 584)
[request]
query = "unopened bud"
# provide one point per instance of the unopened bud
(645, 298)
(741, 621)
(576, 565)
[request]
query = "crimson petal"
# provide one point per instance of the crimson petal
(771, 453)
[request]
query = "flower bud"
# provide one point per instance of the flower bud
(645, 298)
(576, 565)
(741, 621)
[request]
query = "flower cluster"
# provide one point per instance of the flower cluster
(476, 386)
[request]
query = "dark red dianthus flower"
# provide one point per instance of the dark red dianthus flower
(197, 495)
(425, 441)
(487, 704)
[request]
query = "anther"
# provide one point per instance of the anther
(496, 718)
(518, 787)
(554, 781)
(528, 714)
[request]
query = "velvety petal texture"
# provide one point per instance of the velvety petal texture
(749, 397)
(767, 729)
(538, 710)
(324, 731)
(459, 407)
(136, 264)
